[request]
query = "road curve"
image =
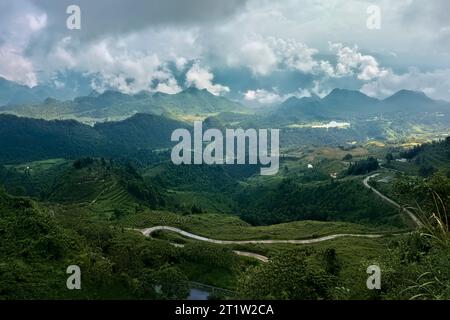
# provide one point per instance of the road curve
(252, 255)
(378, 193)
(238, 252)
(148, 231)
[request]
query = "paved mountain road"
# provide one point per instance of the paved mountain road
(378, 193)
(148, 231)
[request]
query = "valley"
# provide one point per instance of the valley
(107, 197)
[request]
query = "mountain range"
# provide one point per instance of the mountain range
(113, 105)
(12, 93)
(339, 104)
(112, 124)
(347, 105)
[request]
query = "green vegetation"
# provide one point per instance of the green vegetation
(363, 166)
(75, 193)
(331, 201)
(294, 275)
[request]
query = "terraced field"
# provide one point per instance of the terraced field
(113, 196)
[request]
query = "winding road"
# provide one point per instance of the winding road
(378, 193)
(148, 231)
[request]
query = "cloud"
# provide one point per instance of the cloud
(36, 22)
(294, 55)
(264, 55)
(113, 17)
(257, 56)
(170, 86)
(14, 67)
(113, 66)
(436, 84)
(151, 44)
(19, 22)
(265, 97)
(350, 61)
(202, 78)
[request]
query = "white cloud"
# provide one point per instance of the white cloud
(14, 67)
(131, 52)
(180, 63)
(251, 52)
(351, 61)
(202, 78)
(263, 96)
(19, 23)
(170, 86)
(295, 55)
(115, 67)
(318, 90)
(36, 22)
(263, 55)
(436, 84)
(266, 97)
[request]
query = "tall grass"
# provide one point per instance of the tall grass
(435, 223)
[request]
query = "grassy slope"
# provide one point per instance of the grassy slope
(229, 227)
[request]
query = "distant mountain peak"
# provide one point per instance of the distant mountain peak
(195, 90)
(50, 100)
(346, 93)
(409, 93)
(112, 93)
(291, 100)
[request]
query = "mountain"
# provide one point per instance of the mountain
(349, 100)
(413, 101)
(12, 93)
(113, 105)
(195, 101)
(408, 96)
(26, 139)
(141, 131)
(347, 105)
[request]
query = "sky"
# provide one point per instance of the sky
(260, 52)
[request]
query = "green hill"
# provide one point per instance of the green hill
(25, 139)
(113, 105)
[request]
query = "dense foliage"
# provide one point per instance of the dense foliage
(331, 201)
(363, 166)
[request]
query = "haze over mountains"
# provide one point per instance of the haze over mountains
(346, 104)
(111, 104)
(12, 93)
(144, 121)
(340, 104)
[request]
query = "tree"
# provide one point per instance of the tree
(363, 166)
(426, 170)
(289, 276)
(389, 157)
(347, 157)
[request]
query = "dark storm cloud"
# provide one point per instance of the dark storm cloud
(101, 17)
(433, 12)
